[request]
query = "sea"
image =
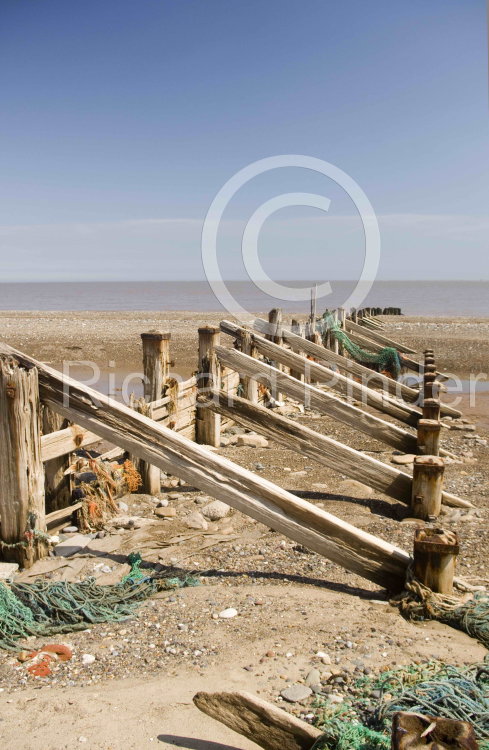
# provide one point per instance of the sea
(427, 298)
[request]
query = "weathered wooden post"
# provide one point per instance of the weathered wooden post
(435, 553)
(275, 335)
(22, 510)
(156, 367)
(342, 322)
(334, 341)
(296, 328)
(429, 437)
(208, 424)
(57, 487)
(250, 386)
(431, 408)
(427, 487)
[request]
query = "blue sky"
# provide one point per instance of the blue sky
(121, 120)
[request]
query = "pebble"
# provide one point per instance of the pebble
(313, 678)
(296, 693)
(325, 658)
(403, 459)
(252, 441)
(196, 521)
(69, 530)
(163, 503)
(216, 510)
(226, 614)
(88, 659)
(165, 512)
(123, 507)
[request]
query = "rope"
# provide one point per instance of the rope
(44, 608)
(443, 690)
(387, 360)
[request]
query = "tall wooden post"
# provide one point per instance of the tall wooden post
(250, 386)
(208, 424)
(342, 322)
(334, 342)
(427, 487)
(156, 366)
(57, 484)
(431, 408)
(434, 556)
(22, 511)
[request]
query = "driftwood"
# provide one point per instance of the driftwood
(320, 448)
(412, 731)
(259, 721)
(57, 485)
(259, 498)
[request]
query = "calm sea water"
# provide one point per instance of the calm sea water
(449, 298)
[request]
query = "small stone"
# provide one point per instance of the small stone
(336, 698)
(123, 507)
(82, 739)
(403, 459)
(163, 503)
(296, 693)
(165, 512)
(69, 530)
(325, 658)
(313, 677)
(196, 521)
(88, 659)
(252, 441)
(216, 510)
(226, 614)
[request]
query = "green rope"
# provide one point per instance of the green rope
(46, 608)
(387, 359)
(363, 722)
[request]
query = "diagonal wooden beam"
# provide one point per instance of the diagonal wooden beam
(339, 541)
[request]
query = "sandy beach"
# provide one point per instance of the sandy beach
(291, 603)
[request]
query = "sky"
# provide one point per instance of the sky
(122, 120)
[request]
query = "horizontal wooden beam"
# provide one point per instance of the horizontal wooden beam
(321, 448)
(70, 439)
(379, 338)
(339, 541)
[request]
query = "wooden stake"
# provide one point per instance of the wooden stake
(250, 386)
(427, 487)
(431, 409)
(208, 424)
(22, 508)
(429, 437)
(435, 554)
(156, 366)
(296, 327)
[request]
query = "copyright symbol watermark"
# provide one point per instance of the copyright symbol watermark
(249, 244)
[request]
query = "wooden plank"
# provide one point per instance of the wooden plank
(70, 439)
(62, 514)
(323, 402)
(262, 722)
(379, 338)
(346, 386)
(339, 541)
(57, 486)
(368, 377)
(320, 448)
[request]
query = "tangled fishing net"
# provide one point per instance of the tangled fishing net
(44, 608)
(387, 360)
(363, 721)
(110, 480)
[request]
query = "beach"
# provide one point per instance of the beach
(290, 603)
